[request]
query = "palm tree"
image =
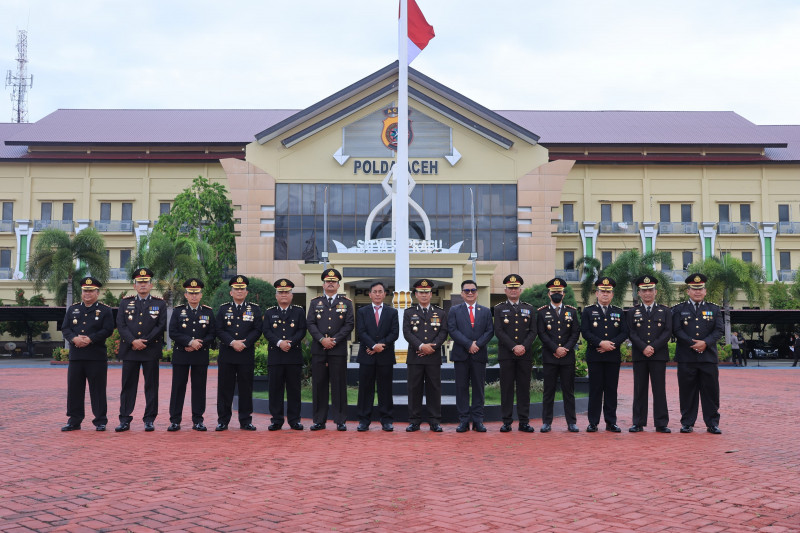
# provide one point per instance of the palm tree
(632, 264)
(726, 277)
(591, 269)
(57, 261)
(172, 262)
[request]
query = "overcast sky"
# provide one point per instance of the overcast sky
(518, 54)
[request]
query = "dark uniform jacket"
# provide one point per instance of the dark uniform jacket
(420, 329)
(512, 327)
(654, 330)
(96, 322)
(334, 321)
(186, 325)
(687, 326)
(369, 334)
(241, 325)
(289, 325)
(596, 327)
(141, 319)
(555, 331)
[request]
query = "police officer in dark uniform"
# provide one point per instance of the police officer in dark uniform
(558, 328)
(515, 329)
(649, 329)
(330, 322)
(238, 326)
(697, 325)
(604, 330)
(425, 329)
(141, 321)
(285, 328)
(191, 329)
(86, 327)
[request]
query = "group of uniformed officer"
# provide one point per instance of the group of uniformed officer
(141, 321)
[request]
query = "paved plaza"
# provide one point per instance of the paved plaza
(747, 479)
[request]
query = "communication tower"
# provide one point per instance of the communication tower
(20, 82)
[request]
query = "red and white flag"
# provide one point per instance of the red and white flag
(419, 31)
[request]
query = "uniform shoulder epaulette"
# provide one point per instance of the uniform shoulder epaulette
(104, 305)
(253, 304)
(177, 306)
(271, 307)
(345, 297)
(542, 307)
(571, 307)
(437, 307)
(206, 306)
(156, 298)
(298, 306)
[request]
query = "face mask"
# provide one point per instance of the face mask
(556, 297)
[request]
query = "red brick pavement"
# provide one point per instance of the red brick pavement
(747, 479)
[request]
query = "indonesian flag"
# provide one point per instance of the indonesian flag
(419, 31)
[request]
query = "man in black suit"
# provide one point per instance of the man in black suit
(558, 328)
(377, 328)
(697, 325)
(649, 329)
(470, 326)
(515, 329)
(191, 329)
(285, 328)
(86, 327)
(238, 325)
(425, 329)
(141, 321)
(604, 330)
(330, 323)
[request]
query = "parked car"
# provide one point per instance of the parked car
(758, 349)
(781, 342)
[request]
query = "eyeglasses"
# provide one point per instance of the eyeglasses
(469, 291)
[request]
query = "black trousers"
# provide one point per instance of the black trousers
(180, 377)
(796, 356)
(699, 382)
(285, 378)
(654, 373)
(566, 374)
(603, 382)
(324, 376)
(368, 376)
(743, 357)
(470, 373)
(130, 384)
(229, 376)
(427, 379)
(78, 373)
(515, 373)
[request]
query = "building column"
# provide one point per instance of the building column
(24, 231)
(708, 236)
(767, 234)
(83, 223)
(648, 232)
(589, 238)
(142, 228)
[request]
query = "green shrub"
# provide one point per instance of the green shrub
(261, 359)
(112, 346)
(60, 354)
(166, 354)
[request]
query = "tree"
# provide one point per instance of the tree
(26, 328)
(258, 291)
(591, 269)
(58, 262)
(203, 211)
(726, 277)
(630, 265)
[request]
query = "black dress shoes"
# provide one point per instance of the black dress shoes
(221, 427)
(71, 427)
(479, 427)
(545, 428)
(526, 428)
(174, 427)
(636, 428)
(591, 428)
(124, 426)
(317, 427)
(572, 428)
(248, 427)
(714, 429)
(274, 427)
(362, 427)
(100, 427)
(341, 427)
(436, 428)
(199, 427)
(463, 427)
(297, 426)
(505, 428)
(686, 429)
(387, 426)
(663, 429)
(613, 428)
(412, 427)
(148, 426)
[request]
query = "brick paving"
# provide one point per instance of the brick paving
(747, 479)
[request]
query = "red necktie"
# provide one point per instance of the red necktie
(377, 315)
(471, 317)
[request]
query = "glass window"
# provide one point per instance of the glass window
(744, 212)
(665, 213)
(665, 263)
(627, 213)
(747, 257)
(686, 212)
(605, 213)
(47, 210)
(568, 213)
(8, 210)
(5, 258)
(724, 255)
(724, 213)
(687, 260)
(124, 258)
(163, 208)
(127, 211)
(66, 212)
(606, 258)
(783, 213)
(786, 260)
(569, 260)
(105, 211)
